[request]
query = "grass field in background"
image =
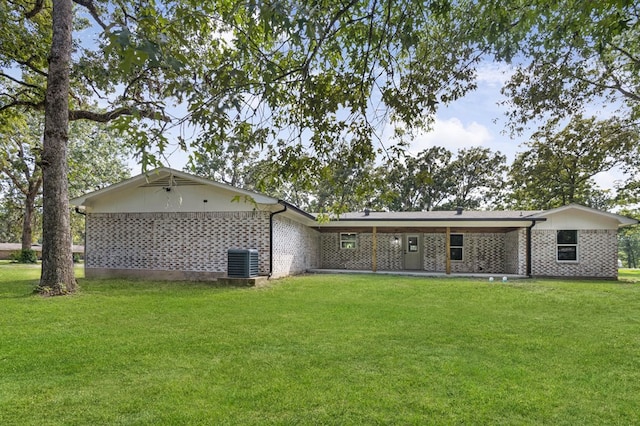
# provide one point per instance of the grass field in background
(320, 349)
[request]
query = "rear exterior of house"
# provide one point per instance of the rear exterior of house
(172, 225)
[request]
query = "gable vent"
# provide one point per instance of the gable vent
(170, 181)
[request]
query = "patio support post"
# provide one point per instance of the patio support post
(529, 248)
(374, 254)
(447, 244)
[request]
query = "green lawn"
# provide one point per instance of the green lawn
(320, 349)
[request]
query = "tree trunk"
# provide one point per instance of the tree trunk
(27, 224)
(57, 257)
(35, 182)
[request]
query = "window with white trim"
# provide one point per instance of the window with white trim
(456, 244)
(567, 245)
(348, 241)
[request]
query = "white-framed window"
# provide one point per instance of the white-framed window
(348, 241)
(456, 244)
(567, 245)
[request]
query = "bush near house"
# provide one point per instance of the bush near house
(323, 349)
(24, 256)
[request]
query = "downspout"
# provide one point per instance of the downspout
(529, 246)
(84, 254)
(271, 215)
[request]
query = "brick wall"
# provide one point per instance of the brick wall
(333, 257)
(515, 256)
(484, 253)
(296, 247)
(174, 241)
(389, 253)
(435, 252)
(597, 255)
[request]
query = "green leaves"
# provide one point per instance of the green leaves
(571, 55)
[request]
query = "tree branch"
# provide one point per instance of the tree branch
(91, 7)
(36, 9)
(20, 82)
(116, 113)
(626, 53)
(617, 86)
(32, 67)
(16, 103)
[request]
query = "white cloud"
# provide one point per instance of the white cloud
(609, 179)
(453, 135)
(494, 74)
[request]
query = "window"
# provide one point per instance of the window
(348, 241)
(567, 242)
(456, 242)
(412, 244)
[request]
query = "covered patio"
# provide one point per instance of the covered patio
(474, 243)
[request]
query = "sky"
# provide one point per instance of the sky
(477, 119)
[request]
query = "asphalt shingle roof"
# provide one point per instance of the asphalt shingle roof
(441, 215)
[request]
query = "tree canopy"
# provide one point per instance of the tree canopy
(570, 57)
(559, 166)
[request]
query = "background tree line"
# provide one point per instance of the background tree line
(97, 158)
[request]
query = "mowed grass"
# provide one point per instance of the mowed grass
(323, 349)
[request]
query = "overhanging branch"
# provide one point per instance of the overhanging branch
(28, 63)
(105, 117)
(91, 7)
(20, 82)
(17, 103)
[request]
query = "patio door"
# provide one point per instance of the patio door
(413, 251)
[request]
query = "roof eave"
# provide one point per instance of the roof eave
(471, 223)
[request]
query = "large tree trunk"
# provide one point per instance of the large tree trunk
(57, 257)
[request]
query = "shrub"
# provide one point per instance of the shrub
(25, 256)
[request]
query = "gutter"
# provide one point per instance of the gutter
(271, 215)
(83, 213)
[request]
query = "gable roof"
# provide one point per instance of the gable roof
(622, 220)
(165, 177)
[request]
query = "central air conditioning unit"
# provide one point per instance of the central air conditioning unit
(242, 263)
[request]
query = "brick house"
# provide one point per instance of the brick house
(172, 225)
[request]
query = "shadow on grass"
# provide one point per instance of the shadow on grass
(20, 289)
(137, 287)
